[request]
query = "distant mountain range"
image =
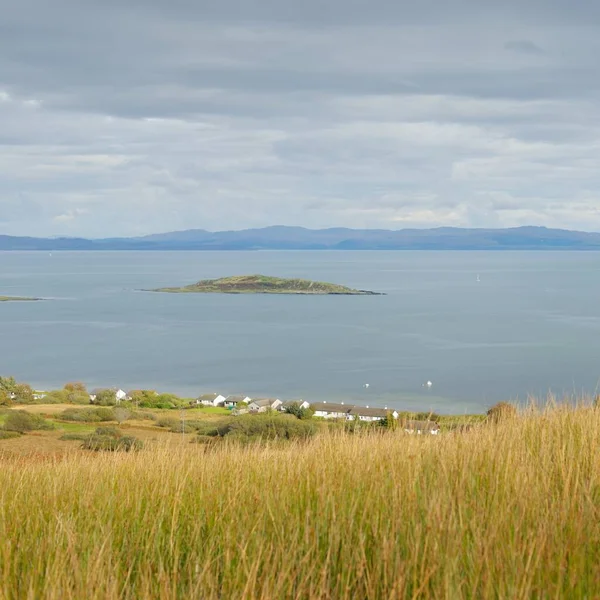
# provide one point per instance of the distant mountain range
(298, 238)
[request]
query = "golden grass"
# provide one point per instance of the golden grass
(507, 511)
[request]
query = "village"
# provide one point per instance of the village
(240, 404)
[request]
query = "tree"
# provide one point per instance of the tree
(76, 393)
(121, 414)
(23, 394)
(5, 399)
(106, 397)
(7, 384)
(76, 386)
(501, 411)
(296, 409)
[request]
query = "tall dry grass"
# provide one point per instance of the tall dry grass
(506, 511)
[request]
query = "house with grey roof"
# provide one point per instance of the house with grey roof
(422, 427)
(368, 414)
(233, 401)
(331, 410)
(289, 403)
(261, 405)
(211, 399)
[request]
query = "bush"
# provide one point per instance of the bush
(111, 440)
(7, 435)
(167, 422)
(87, 415)
(501, 411)
(298, 411)
(258, 427)
(21, 421)
(74, 436)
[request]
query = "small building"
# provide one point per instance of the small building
(365, 413)
(261, 405)
(211, 400)
(233, 401)
(121, 395)
(420, 427)
(288, 403)
(331, 410)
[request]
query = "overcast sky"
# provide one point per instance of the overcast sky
(126, 117)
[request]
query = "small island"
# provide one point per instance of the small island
(261, 284)
(17, 299)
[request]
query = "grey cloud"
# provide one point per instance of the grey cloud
(133, 117)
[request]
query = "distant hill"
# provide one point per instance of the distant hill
(298, 238)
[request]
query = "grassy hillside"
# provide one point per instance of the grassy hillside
(261, 284)
(503, 511)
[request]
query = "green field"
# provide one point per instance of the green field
(504, 511)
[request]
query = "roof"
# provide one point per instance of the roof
(208, 396)
(96, 391)
(365, 411)
(331, 407)
(421, 425)
(236, 398)
(293, 402)
(264, 401)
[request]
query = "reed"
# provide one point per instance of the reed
(510, 510)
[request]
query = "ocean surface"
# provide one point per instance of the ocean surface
(481, 326)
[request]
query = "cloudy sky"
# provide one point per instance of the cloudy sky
(127, 117)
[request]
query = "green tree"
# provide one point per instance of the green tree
(5, 399)
(296, 409)
(106, 397)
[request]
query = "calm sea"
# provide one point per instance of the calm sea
(529, 325)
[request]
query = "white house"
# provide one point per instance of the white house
(211, 400)
(301, 403)
(233, 401)
(420, 427)
(365, 413)
(331, 410)
(120, 395)
(263, 404)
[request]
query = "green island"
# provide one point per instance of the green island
(17, 299)
(261, 284)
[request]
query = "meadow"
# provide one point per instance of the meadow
(507, 510)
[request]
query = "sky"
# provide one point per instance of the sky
(123, 117)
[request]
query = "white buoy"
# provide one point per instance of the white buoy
(367, 385)
(429, 384)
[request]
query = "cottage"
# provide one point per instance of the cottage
(419, 427)
(365, 413)
(331, 410)
(288, 403)
(261, 405)
(211, 400)
(233, 401)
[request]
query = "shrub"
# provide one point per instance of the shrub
(5, 399)
(7, 435)
(74, 436)
(298, 411)
(21, 421)
(167, 422)
(501, 411)
(88, 415)
(259, 427)
(111, 440)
